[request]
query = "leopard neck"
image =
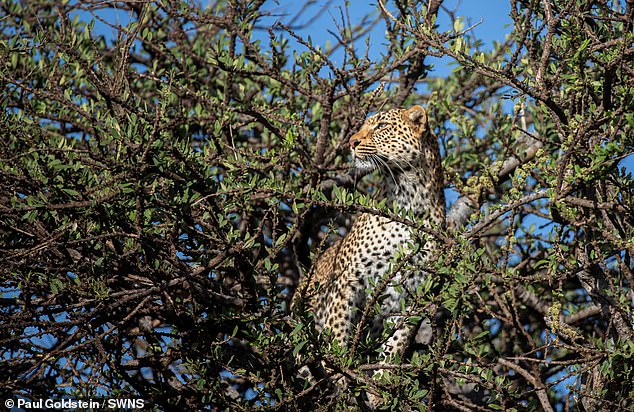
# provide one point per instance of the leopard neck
(418, 189)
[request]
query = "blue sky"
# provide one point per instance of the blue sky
(492, 16)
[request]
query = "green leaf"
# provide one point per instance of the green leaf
(299, 347)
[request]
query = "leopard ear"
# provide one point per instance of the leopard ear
(417, 116)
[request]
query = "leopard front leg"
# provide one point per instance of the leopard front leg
(343, 307)
(339, 314)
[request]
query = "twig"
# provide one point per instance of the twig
(540, 389)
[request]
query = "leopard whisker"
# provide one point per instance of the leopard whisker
(384, 163)
(400, 167)
(410, 164)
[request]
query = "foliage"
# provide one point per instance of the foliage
(163, 189)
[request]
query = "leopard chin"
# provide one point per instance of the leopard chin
(363, 166)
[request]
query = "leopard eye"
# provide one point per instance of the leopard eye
(380, 125)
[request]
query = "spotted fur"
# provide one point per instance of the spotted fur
(399, 143)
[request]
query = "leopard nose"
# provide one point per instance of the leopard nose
(354, 142)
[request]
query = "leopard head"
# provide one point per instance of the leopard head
(393, 139)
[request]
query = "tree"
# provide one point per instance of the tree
(162, 191)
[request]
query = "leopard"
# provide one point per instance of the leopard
(399, 143)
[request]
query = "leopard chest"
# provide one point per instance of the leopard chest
(370, 248)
